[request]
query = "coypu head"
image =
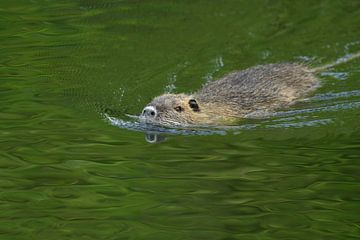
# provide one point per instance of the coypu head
(172, 109)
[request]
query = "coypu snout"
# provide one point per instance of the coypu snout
(149, 112)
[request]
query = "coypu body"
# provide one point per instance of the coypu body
(251, 93)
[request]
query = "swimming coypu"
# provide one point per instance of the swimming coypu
(249, 93)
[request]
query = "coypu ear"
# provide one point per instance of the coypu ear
(193, 105)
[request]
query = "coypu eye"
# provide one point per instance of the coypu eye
(194, 106)
(179, 109)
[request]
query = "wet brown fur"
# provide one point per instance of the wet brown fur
(244, 94)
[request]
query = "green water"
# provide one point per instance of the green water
(67, 173)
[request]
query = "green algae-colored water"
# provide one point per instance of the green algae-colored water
(66, 172)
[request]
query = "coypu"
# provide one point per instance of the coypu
(251, 93)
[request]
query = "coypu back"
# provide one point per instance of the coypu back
(263, 87)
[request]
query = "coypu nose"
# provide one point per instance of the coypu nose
(149, 111)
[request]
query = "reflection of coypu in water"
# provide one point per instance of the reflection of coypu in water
(245, 94)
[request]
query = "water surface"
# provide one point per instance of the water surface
(68, 173)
